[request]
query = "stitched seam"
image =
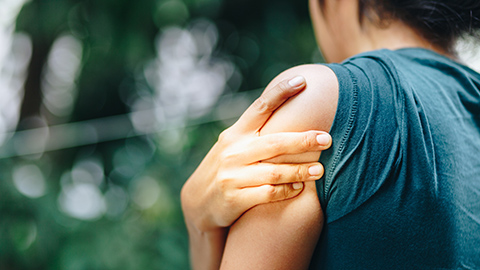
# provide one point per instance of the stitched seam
(351, 118)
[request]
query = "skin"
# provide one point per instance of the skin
(234, 176)
(280, 234)
(283, 235)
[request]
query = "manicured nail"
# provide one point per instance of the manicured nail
(297, 81)
(315, 170)
(297, 186)
(323, 139)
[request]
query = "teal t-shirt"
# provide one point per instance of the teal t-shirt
(401, 188)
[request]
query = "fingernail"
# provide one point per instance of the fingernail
(315, 170)
(297, 81)
(297, 186)
(323, 139)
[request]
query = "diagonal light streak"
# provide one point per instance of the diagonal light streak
(90, 132)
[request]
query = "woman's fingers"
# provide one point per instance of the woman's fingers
(271, 173)
(265, 173)
(258, 113)
(287, 143)
(253, 196)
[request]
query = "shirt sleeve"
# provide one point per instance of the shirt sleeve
(366, 141)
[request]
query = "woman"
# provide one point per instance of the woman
(402, 181)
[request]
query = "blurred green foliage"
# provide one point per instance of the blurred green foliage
(114, 203)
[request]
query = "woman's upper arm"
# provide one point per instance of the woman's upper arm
(283, 235)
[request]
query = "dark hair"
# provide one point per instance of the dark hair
(440, 22)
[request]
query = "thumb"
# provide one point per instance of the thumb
(262, 108)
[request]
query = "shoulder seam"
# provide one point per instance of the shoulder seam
(345, 135)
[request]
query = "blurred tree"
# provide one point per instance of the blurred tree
(42, 21)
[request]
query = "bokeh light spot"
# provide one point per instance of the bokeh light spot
(29, 180)
(82, 201)
(145, 192)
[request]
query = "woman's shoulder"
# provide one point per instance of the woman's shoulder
(313, 108)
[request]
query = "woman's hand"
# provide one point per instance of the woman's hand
(233, 177)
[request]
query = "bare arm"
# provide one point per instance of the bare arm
(283, 235)
(233, 178)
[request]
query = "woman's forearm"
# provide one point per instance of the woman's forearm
(206, 240)
(206, 248)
